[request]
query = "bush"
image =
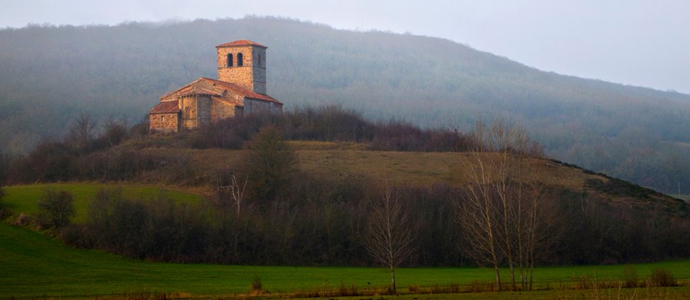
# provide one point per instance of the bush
(269, 164)
(662, 278)
(255, 288)
(3, 212)
(630, 278)
(55, 208)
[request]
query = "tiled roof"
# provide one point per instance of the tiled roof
(242, 91)
(165, 107)
(216, 88)
(241, 43)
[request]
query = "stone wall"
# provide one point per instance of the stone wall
(163, 123)
(254, 106)
(196, 111)
(222, 110)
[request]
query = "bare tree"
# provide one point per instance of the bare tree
(541, 230)
(115, 131)
(535, 226)
(389, 239)
(81, 132)
(237, 192)
(496, 214)
(479, 220)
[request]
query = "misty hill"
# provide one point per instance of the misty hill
(49, 75)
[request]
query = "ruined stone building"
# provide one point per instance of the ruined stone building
(240, 89)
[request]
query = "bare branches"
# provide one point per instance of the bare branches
(501, 212)
(237, 192)
(81, 132)
(389, 239)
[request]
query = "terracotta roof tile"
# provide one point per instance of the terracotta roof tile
(165, 107)
(215, 88)
(241, 43)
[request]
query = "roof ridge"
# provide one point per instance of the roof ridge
(244, 42)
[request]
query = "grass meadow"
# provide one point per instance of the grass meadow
(23, 198)
(35, 265)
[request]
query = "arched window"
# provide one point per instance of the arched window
(240, 61)
(230, 60)
(258, 61)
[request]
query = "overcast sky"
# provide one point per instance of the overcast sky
(635, 42)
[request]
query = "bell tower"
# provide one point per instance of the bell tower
(243, 63)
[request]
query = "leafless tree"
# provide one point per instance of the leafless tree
(501, 204)
(389, 239)
(534, 228)
(237, 192)
(479, 221)
(81, 132)
(115, 131)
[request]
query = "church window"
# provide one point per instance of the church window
(258, 61)
(188, 112)
(240, 61)
(230, 60)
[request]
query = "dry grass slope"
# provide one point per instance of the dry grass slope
(342, 160)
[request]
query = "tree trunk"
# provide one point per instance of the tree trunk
(393, 290)
(498, 277)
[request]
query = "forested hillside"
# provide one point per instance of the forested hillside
(50, 75)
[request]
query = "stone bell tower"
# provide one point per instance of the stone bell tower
(243, 63)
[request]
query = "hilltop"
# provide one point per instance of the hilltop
(49, 75)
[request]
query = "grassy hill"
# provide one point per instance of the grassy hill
(49, 75)
(338, 161)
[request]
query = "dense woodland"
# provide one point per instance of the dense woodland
(50, 75)
(267, 211)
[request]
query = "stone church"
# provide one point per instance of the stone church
(240, 89)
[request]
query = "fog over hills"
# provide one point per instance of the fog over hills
(49, 75)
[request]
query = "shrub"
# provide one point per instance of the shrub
(22, 220)
(55, 208)
(662, 278)
(2, 195)
(269, 164)
(480, 287)
(630, 278)
(255, 288)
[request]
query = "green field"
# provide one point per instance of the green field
(23, 198)
(32, 265)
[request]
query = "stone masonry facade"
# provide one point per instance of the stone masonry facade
(250, 72)
(240, 89)
(165, 123)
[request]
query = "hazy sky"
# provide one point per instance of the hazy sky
(636, 42)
